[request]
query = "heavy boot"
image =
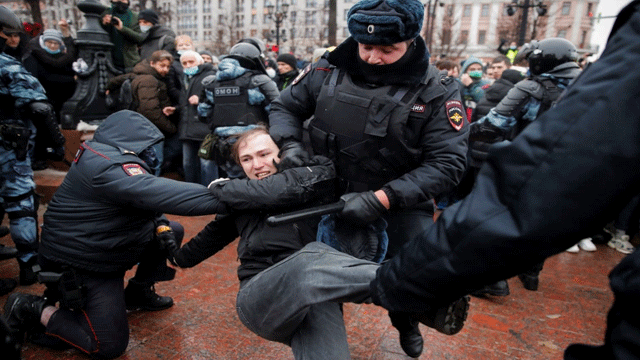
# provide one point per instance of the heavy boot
(7, 252)
(410, 338)
(142, 296)
(530, 278)
(22, 312)
(448, 319)
(7, 286)
(28, 276)
(500, 288)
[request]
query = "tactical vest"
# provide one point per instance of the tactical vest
(549, 93)
(361, 130)
(231, 103)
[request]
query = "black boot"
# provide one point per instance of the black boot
(28, 275)
(410, 338)
(448, 319)
(529, 281)
(22, 312)
(7, 252)
(142, 296)
(7, 286)
(4, 230)
(501, 288)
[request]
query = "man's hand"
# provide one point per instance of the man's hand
(168, 110)
(362, 208)
(465, 79)
(194, 100)
(292, 154)
(168, 242)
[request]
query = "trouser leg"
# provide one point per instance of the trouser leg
(275, 302)
(321, 334)
(101, 329)
(153, 264)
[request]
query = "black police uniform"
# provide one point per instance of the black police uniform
(402, 131)
(541, 194)
(101, 222)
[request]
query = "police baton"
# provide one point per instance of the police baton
(305, 213)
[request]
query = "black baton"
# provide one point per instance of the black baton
(305, 213)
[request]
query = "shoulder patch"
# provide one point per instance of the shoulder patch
(133, 169)
(455, 114)
(302, 74)
(418, 108)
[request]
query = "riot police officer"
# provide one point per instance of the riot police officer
(393, 124)
(106, 217)
(553, 65)
(22, 104)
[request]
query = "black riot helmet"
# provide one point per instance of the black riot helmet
(248, 55)
(549, 53)
(9, 21)
(255, 42)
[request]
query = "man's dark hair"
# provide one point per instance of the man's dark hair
(501, 58)
(160, 55)
(445, 64)
(244, 137)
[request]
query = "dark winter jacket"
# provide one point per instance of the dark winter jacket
(151, 42)
(125, 50)
(427, 131)
(284, 80)
(559, 181)
(190, 127)
(253, 201)
(109, 204)
(150, 95)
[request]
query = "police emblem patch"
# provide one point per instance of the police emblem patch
(418, 108)
(301, 75)
(133, 169)
(455, 114)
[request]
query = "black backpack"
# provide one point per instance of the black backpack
(122, 98)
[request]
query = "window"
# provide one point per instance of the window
(292, 17)
(484, 10)
(464, 36)
(449, 10)
(562, 33)
(466, 11)
(566, 8)
(254, 19)
(482, 37)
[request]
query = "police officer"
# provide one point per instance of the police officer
(105, 217)
(560, 180)
(236, 98)
(553, 65)
(22, 104)
(393, 124)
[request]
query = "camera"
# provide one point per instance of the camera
(114, 21)
(69, 21)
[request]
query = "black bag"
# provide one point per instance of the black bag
(122, 99)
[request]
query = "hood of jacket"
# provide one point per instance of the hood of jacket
(229, 69)
(568, 70)
(128, 131)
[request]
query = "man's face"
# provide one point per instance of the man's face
(143, 22)
(474, 67)
(162, 67)
(498, 68)
(188, 61)
(52, 45)
(257, 155)
(382, 54)
(206, 58)
(12, 40)
(184, 44)
(283, 67)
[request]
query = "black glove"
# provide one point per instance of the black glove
(485, 132)
(55, 153)
(44, 117)
(168, 242)
(362, 208)
(292, 154)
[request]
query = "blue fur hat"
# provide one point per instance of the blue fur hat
(385, 22)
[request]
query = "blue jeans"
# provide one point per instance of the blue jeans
(16, 189)
(159, 147)
(197, 170)
(297, 301)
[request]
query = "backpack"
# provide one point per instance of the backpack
(122, 98)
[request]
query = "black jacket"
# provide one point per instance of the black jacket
(260, 245)
(559, 181)
(439, 148)
(190, 127)
(495, 93)
(151, 42)
(109, 204)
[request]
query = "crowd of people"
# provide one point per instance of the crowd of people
(438, 165)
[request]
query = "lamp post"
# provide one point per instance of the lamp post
(525, 5)
(278, 13)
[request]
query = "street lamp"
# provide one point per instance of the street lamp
(541, 9)
(278, 13)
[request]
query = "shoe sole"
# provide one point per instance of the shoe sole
(613, 246)
(147, 308)
(491, 293)
(450, 320)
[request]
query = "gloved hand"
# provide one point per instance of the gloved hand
(168, 242)
(55, 153)
(217, 182)
(292, 154)
(362, 208)
(44, 117)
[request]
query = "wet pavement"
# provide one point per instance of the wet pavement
(569, 307)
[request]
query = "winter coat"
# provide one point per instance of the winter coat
(253, 201)
(125, 50)
(190, 127)
(151, 44)
(108, 206)
(284, 80)
(496, 92)
(151, 96)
